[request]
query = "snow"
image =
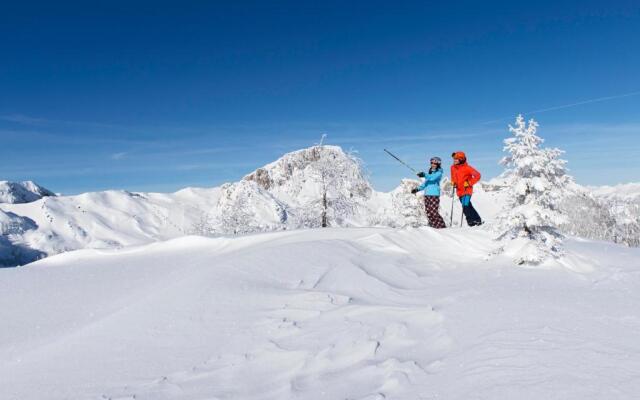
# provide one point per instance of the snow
(110, 219)
(531, 217)
(608, 212)
(629, 191)
(357, 313)
(231, 292)
(283, 195)
(12, 251)
(22, 192)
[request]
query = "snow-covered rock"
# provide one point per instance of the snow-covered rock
(22, 192)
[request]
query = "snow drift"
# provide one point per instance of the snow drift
(357, 313)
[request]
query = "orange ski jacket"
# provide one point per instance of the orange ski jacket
(462, 173)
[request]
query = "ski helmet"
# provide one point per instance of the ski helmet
(436, 160)
(459, 155)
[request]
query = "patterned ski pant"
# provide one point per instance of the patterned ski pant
(431, 205)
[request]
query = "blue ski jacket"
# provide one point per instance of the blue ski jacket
(431, 184)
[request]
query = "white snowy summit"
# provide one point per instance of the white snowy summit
(22, 192)
(300, 190)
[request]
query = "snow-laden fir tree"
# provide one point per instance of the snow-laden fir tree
(529, 222)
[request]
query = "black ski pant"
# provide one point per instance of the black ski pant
(470, 213)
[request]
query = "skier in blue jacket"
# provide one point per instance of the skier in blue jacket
(431, 187)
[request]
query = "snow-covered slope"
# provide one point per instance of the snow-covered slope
(356, 313)
(12, 251)
(286, 194)
(602, 213)
(627, 191)
(110, 219)
(608, 213)
(22, 192)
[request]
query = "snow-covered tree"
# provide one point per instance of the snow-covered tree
(537, 176)
(336, 172)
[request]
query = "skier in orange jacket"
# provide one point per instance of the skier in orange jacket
(463, 177)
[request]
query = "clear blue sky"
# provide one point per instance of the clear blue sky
(156, 96)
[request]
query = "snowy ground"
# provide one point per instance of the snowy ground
(359, 313)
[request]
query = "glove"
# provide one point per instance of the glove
(466, 184)
(421, 174)
(414, 191)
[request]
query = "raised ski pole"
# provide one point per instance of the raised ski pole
(402, 162)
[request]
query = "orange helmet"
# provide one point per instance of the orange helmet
(459, 155)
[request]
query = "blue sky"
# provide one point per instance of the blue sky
(156, 96)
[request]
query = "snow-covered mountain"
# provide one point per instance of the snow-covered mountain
(12, 251)
(286, 194)
(146, 310)
(350, 313)
(609, 213)
(289, 193)
(625, 191)
(109, 219)
(22, 192)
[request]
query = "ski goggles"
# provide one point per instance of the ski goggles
(436, 160)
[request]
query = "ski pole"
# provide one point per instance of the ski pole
(402, 162)
(453, 190)
(462, 210)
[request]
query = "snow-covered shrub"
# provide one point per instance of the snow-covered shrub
(398, 208)
(528, 224)
(245, 207)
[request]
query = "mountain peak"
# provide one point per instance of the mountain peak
(22, 192)
(311, 160)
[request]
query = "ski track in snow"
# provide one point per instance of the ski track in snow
(322, 314)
